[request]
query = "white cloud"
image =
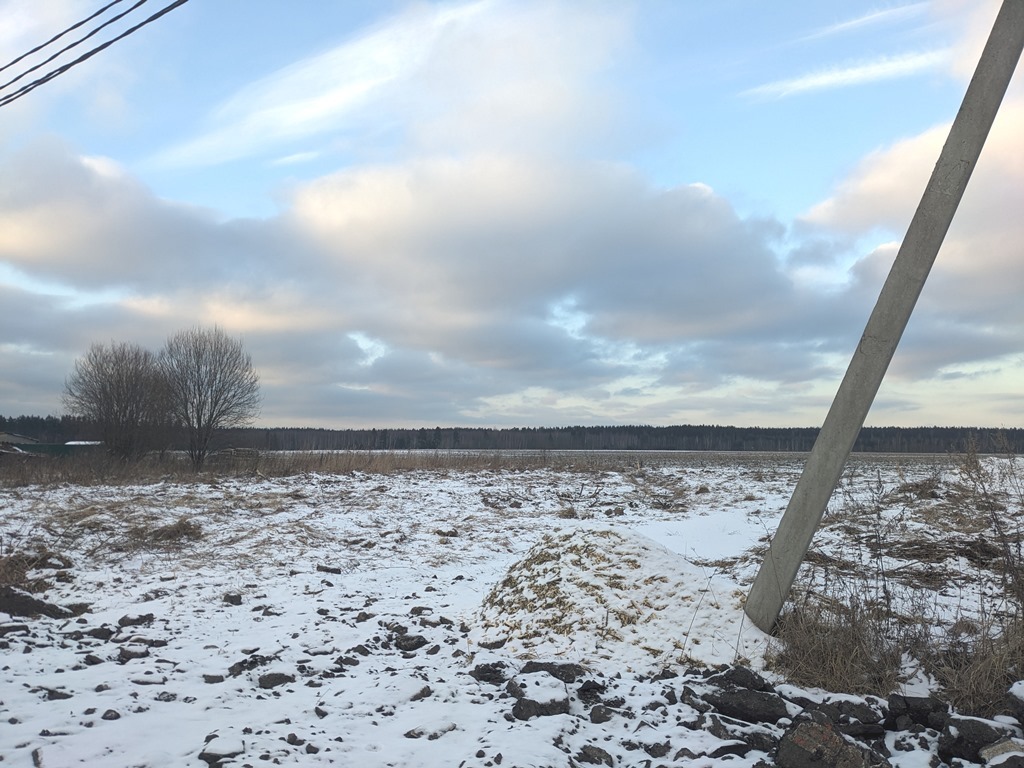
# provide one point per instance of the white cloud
(485, 73)
(851, 74)
(873, 18)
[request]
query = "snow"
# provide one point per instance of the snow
(333, 619)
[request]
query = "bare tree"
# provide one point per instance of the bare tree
(212, 385)
(121, 389)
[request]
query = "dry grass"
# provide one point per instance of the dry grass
(838, 644)
(96, 468)
(978, 662)
(860, 616)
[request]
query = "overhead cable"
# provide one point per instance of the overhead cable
(5, 100)
(59, 35)
(77, 42)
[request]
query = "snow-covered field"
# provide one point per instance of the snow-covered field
(361, 619)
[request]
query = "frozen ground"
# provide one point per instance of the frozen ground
(335, 619)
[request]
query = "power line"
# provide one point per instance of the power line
(76, 43)
(5, 100)
(59, 35)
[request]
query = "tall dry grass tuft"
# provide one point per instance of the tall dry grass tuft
(845, 645)
(855, 624)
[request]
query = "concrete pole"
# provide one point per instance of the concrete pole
(889, 318)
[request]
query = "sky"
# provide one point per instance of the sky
(513, 213)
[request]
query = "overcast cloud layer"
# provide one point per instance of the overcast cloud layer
(491, 266)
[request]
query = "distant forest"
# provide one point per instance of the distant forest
(52, 429)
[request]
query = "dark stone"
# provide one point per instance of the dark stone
(100, 633)
(741, 677)
(135, 621)
(252, 662)
(92, 660)
(111, 714)
(212, 756)
(274, 679)
(862, 731)
(525, 709)
(410, 642)
(812, 744)
(600, 714)
(211, 679)
(493, 673)
(594, 755)
(17, 602)
(590, 692)
(320, 712)
(657, 750)
(736, 747)
(52, 694)
(493, 645)
(567, 673)
(757, 737)
(964, 737)
(861, 711)
(8, 629)
(1015, 700)
(233, 598)
(747, 705)
(923, 710)
(126, 654)
(422, 693)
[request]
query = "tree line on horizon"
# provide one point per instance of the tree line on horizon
(54, 429)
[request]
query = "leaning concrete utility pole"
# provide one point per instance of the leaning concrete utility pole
(889, 318)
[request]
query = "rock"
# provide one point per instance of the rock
(538, 694)
(17, 602)
(923, 710)
(748, 705)
(758, 737)
(740, 677)
(1006, 749)
(135, 621)
(410, 642)
(600, 714)
(493, 673)
(590, 692)
(525, 709)
(8, 629)
(964, 737)
(432, 734)
(1015, 698)
(594, 755)
(814, 744)
(567, 673)
(275, 679)
(111, 714)
(233, 598)
(126, 653)
(211, 679)
(217, 750)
